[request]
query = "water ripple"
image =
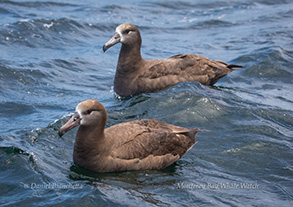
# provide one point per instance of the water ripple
(52, 58)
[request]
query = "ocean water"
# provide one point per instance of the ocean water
(51, 59)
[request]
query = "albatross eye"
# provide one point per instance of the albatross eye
(89, 111)
(128, 31)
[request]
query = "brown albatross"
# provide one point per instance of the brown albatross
(136, 145)
(135, 75)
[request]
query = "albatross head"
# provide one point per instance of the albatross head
(127, 34)
(89, 113)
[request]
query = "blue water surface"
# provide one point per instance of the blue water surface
(51, 59)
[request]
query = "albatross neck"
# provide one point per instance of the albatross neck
(129, 57)
(89, 137)
(88, 146)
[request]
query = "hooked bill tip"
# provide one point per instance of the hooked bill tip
(61, 133)
(104, 48)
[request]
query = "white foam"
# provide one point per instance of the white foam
(48, 25)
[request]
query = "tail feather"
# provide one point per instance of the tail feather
(234, 67)
(190, 132)
(196, 130)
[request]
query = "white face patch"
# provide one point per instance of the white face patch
(79, 113)
(118, 30)
(79, 109)
(82, 120)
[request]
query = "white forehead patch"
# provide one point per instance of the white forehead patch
(118, 30)
(79, 112)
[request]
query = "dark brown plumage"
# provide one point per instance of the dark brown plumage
(136, 145)
(135, 75)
